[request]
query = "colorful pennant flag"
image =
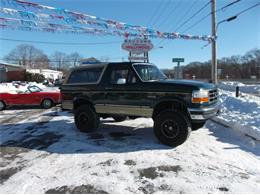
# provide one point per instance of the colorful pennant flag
(38, 17)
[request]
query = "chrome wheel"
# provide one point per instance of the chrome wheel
(47, 104)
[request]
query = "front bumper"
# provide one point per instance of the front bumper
(204, 113)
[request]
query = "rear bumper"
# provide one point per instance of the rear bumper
(200, 114)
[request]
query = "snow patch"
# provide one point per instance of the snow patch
(15, 88)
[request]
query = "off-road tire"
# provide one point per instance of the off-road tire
(86, 119)
(172, 128)
(47, 103)
(2, 105)
(197, 126)
(119, 118)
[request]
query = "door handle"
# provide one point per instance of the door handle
(108, 88)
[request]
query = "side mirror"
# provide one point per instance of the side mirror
(121, 81)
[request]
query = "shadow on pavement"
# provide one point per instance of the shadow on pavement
(27, 107)
(61, 136)
(55, 132)
(23, 107)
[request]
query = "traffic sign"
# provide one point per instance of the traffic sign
(177, 59)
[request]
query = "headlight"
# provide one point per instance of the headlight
(200, 96)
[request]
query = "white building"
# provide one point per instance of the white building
(47, 73)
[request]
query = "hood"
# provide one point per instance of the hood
(191, 83)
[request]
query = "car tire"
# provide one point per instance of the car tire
(86, 119)
(47, 103)
(119, 118)
(172, 128)
(197, 126)
(2, 105)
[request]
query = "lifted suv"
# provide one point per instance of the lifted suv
(138, 90)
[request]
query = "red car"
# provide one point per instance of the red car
(32, 96)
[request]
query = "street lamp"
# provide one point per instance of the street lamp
(226, 20)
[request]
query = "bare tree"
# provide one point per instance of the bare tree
(235, 67)
(74, 59)
(28, 56)
(59, 60)
(43, 61)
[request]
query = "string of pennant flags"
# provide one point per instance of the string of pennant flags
(36, 17)
(20, 24)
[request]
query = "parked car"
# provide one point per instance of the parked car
(139, 89)
(32, 96)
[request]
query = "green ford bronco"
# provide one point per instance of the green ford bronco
(132, 89)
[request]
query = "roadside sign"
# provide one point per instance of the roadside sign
(177, 59)
(137, 46)
(137, 58)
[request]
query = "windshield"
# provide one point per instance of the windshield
(149, 72)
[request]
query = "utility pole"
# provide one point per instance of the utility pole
(214, 67)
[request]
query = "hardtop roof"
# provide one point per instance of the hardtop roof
(87, 66)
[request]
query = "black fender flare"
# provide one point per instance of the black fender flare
(170, 99)
(82, 100)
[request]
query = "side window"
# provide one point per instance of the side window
(34, 89)
(122, 75)
(90, 75)
(131, 77)
(119, 76)
(146, 72)
(143, 72)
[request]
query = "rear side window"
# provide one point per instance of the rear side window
(90, 75)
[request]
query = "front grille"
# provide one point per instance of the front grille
(213, 95)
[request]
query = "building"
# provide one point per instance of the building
(47, 73)
(11, 72)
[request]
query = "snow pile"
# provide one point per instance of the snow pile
(242, 113)
(15, 88)
(231, 86)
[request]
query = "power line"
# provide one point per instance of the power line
(234, 2)
(170, 13)
(204, 17)
(243, 11)
(60, 43)
(193, 15)
(154, 15)
(238, 14)
(168, 16)
(162, 11)
(196, 23)
(186, 13)
(190, 18)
